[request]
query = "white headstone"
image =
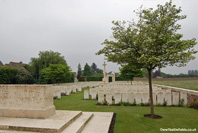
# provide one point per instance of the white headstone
(145, 97)
(160, 98)
(175, 96)
(183, 95)
(124, 97)
(131, 97)
(93, 94)
(138, 98)
(168, 98)
(101, 98)
(86, 94)
(117, 98)
(154, 98)
(109, 98)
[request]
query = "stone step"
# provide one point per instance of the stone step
(100, 123)
(78, 125)
(9, 131)
(55, 123)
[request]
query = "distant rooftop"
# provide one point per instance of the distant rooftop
(1, 64)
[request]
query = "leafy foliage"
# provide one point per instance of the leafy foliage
(151, 42)
(24, 77)
(56, 73)
(11, 75)
(45, 59)
(79, 71)
(128, 72)
(87, 70)
(8, 75)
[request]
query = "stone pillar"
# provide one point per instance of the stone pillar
(104, 72)
(26, 101)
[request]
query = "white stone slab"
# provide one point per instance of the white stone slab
(100, 123)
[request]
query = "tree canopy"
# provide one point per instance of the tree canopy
(87, 70)
(56, 73)
(128, 72)
(45, 59)
(153, 41)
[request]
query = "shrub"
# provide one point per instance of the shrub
(126, 104)
(92, 78)
(164, 103)
(147, 104)
(105, 102)
(141, 104)
(134, 103)
(193, 104)
(158, 104)
(181, 102)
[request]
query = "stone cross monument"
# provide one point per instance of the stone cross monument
(104, 69)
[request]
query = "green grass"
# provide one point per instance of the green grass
(186, 84)
(131, 118)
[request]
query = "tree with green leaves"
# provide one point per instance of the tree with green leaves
(56, 73)
(128, 72)
(8, 75)
(24, 77)
(153, 41)
(45, 59)
(79, 71)
(87, 70)
(94, 68)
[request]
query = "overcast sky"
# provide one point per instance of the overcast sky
(76, 28)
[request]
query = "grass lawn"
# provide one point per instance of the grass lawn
(130, 118)
(186, 84)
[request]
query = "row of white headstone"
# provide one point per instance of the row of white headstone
(136, 93)
(68, 88)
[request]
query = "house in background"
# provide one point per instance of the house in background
(1, 64)
(16, 64)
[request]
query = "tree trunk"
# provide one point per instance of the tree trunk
(151, 92)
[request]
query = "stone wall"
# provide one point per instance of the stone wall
(26, 101)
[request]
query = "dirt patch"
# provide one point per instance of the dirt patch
(154, 117)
